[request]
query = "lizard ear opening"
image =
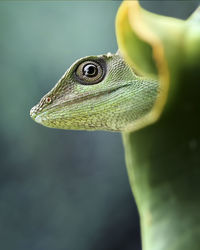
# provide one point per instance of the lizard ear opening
(90, 72)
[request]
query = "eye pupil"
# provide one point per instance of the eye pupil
(90, 70)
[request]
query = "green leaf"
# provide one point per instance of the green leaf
(163, 159)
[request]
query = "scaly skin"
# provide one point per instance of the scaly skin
(114, 99)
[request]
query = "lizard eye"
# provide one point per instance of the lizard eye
(90, 72)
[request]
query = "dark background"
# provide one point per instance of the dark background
(60, 190)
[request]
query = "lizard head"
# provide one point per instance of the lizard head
(96, 93)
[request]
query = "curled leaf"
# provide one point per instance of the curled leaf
(158, 47)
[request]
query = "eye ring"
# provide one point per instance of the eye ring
(90, 72)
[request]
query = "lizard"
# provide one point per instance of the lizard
(98, 93)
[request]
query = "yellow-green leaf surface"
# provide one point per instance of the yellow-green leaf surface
(163, 159)
(151, 43)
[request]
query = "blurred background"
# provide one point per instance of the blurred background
(61, 190)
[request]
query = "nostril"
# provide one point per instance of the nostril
(48, 100)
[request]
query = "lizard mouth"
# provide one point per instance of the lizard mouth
(39, 115)
(92, 96)
(33, 113)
